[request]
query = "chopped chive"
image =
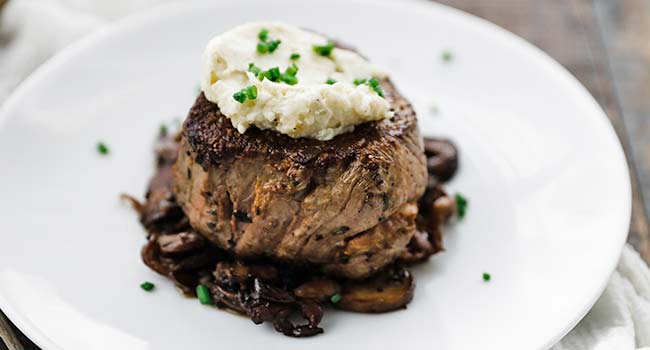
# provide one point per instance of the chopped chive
(330, 81)
(163, 130)
(273, 74)
(263, 34)
(262, 48)
(335, 298)
(102, 148)
(461, 205)
(253, 69)
(294, 56)
(447, 56)
(272, 45)
(266, 46)
(251, 92)
(359, 81)
(292, 70)
(147, 286)
(289, 79)
(486, 277)
(324, 50)
(239, 96)
(374, 85)
(203, 294)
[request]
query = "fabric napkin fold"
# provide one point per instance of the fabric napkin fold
(31, 31)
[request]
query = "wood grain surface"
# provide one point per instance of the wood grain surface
(606, 45)
(9, 336)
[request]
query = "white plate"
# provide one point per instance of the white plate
(545, 175)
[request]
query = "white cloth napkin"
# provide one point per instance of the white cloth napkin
(33, 30)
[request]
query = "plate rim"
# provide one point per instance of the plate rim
(163, 10)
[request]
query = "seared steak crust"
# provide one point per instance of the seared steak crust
(346, 204)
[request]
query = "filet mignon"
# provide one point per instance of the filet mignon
(347, 205)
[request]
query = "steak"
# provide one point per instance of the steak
(347, 205)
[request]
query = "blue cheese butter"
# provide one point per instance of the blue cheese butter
(277, 76)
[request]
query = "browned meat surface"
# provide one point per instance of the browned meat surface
(347, 204)
(269, 291)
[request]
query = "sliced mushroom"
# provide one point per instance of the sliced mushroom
(160, 212)
(180, 243)
(272, 293)
(264, 272)
(151, 256)
(390, 290)
(135, 203)
(444, 207)
(200, 260)
(267, 303)
(420, 248)
(442, 158)
(318, 289)
(282, 324)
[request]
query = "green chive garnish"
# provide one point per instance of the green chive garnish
(461, 205)
(272, 45)
(265, 45)
(262, 48)
(263, 34)
(359, 81)
(292, 70)
(289, 79)
(330, 81)
(147, 286)
(102, 148)
(324, 50)
(163, 130)
(374, 85)
(239, 96)
(251, 92)
(335, 298)
(253, 69)
(447, 56)
(486, 277)
(294, 56)
(203, 294)
(273, 74)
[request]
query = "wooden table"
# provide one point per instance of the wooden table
(606, 45)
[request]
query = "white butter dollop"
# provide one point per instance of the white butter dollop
(311, 108)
